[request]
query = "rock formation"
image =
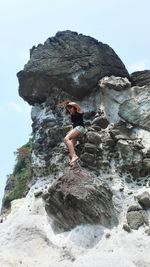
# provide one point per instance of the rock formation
(68, 62)
(141, 78)
(109, 191)
(137, 110)
(78, 198)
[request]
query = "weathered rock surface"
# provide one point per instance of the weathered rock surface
(79, 198)
(126, 227)
(137, 110)
(141, 78)
(114, 91)
(128, 154)
(94, 138)
(116, 83)
(144, 199)
(100, 121)
(97, 150)
(69, 62)
(136, 217)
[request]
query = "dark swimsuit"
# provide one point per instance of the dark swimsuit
(77, 119)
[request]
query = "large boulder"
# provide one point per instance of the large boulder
(70, 62)
(79, 198)
(137, 110)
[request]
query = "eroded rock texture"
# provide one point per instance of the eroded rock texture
(141, 78)
(79, 198)
(137, 110)
(68, 62)
(114, 150)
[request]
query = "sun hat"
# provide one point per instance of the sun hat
(73, 104)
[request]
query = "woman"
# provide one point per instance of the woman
(78, 128)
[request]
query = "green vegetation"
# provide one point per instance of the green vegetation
(17, 182)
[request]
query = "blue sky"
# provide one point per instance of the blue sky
(122, 24)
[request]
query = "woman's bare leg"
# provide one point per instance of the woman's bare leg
(70, 141)
(74, 141)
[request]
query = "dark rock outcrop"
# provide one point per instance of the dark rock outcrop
(79, 198)
(94, 138)
(69, 62)
(141, 78)
(100, 121)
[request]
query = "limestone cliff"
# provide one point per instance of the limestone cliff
(74, 217)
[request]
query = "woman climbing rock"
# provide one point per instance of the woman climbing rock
(78, 129)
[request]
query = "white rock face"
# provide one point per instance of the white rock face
(116, 83)
(137, 110)
(117, 90)
(114, 91)
(27, 239)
